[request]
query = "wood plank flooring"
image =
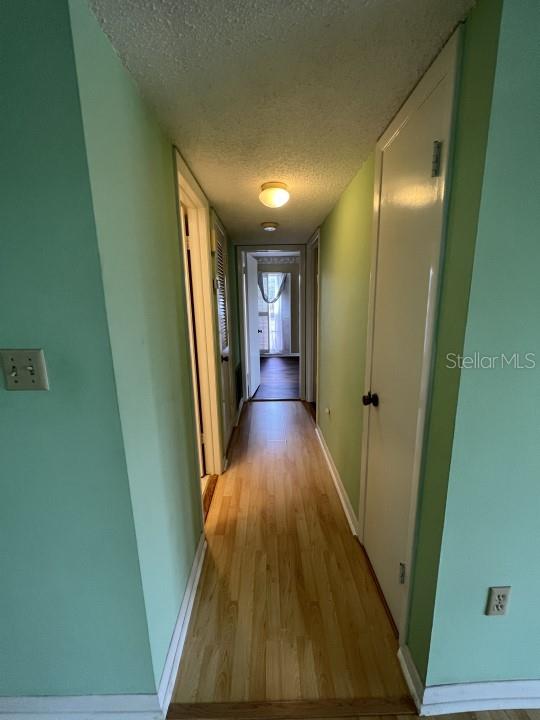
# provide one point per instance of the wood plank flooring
(280, 379)
(292, 709)
(286, 608)
(318, 709)
(287, 621)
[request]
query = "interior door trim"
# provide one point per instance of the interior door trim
(241, 251)
(190, 195)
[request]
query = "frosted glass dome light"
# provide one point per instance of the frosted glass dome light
(274, 194)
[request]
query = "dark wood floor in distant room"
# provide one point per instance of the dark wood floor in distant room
(280, 379)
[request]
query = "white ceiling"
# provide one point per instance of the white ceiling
(289, 90)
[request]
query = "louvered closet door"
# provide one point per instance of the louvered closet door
(227, 386)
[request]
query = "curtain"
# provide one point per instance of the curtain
(275, 313)
(271, 285)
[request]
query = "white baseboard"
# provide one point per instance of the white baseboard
(168, 677)
(468, 697)
(117, 707)
(345, 502)
(410, 673)
(82, 707)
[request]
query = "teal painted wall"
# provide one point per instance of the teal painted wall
(492, 531)
(71, 603)
(133, 188)
(344, 265)
(472, 121)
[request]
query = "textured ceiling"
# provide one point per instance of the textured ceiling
(290, 90)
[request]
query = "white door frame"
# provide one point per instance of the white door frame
(241, 251)
(182, 211)
(446, 64)
(193, 198)
(312, 319)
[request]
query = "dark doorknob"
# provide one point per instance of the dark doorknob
(370, 399)
(260, 332)
(225, 358)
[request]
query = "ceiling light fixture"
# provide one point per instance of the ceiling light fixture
(269, 226)
(274, 194)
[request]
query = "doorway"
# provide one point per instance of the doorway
(273, 310)
(196, 237)
(410, 204)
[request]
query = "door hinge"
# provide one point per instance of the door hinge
(202, 438)
(436, 158)
(216, 284)
(402, 573)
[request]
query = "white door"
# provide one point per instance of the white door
(411, 219)
(222, 307)
(252, 313)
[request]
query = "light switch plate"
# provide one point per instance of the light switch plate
(24, 369)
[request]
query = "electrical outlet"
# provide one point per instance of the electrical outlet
(497, 603)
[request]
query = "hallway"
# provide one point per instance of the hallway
(286, 607)
(256, 463)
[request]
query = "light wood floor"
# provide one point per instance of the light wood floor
(286, 608)
(483, 715)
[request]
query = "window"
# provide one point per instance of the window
(275, 318)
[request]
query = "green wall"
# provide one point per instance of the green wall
(344, 266)
(71, 602)
(132, 179)
(492, 529)
(472, 120)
